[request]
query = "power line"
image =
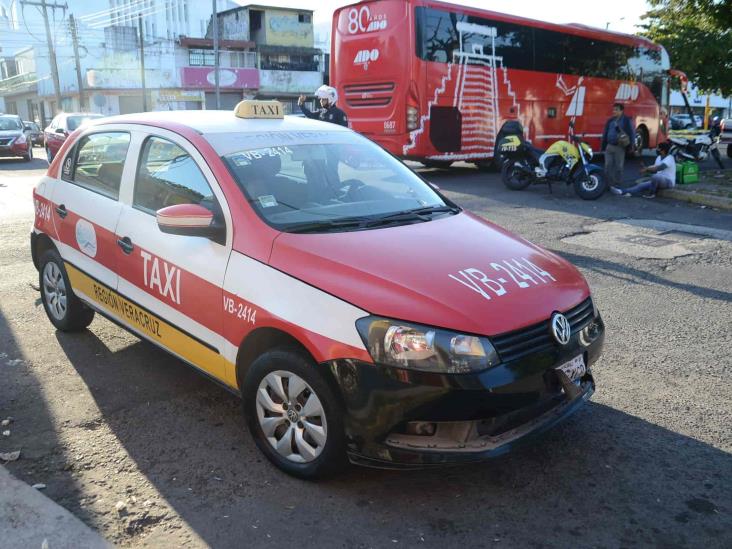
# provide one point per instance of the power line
(108, 12)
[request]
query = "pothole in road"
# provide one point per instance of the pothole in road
(646, 239)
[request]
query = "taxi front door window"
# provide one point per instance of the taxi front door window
(166, 176)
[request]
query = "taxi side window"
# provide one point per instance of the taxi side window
(99, 160)
(166, 176)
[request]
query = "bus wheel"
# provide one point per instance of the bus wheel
(641, 141)
(440, 164)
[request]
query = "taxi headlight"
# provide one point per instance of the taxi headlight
(418, 347)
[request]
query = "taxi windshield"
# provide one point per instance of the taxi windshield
(330, 187)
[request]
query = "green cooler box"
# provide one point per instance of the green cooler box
(687, 172)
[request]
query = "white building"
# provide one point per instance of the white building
(721, 106)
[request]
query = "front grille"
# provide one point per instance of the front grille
(373, 94)
(536, 338)
(5, 141)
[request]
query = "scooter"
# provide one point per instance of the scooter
(564, 161)
(698, 147)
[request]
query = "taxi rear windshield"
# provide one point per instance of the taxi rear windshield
(332, 187)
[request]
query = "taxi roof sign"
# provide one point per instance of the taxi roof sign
(250, 108)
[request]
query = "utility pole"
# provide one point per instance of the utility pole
(51, 50)
(79, 81)
(215, 27)
(142, 64)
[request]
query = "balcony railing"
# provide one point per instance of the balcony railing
(18, 83)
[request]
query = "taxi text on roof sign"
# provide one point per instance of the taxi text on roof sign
(259, 109)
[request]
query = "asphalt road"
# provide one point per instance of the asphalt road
(102, 417)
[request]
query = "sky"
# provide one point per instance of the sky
(621, 15)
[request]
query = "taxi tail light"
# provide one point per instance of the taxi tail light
(189, 220)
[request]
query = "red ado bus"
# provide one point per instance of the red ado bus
(436, 82)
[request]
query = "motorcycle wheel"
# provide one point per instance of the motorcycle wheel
(514, 177)
(590, 187)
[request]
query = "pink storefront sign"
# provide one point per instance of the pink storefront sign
(204, 78)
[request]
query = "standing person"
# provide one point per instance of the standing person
(328, 111)
(664, 175)
(617, 138)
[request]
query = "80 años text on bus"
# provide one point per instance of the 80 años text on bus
(505, 275)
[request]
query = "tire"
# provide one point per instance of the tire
(513, 178)
(316, 448)
(65, 311)
(729, 150)
(28, 157)
(49, 155)
(440, 164)
(641, 142)
(591, 187)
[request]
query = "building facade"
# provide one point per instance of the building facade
(264, 53)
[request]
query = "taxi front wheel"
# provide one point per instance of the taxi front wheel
(293, 415)
(65, 311)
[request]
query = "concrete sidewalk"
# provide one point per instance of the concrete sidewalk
(28, 519)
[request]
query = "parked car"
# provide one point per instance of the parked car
(36, 135)
(725, 137)
(682, 122)
(364, 314)
(60, 128)
(15, 138)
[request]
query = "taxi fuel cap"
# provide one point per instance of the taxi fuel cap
(250, 108)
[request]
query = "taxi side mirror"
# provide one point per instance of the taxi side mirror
(61, 131)
(191, 220)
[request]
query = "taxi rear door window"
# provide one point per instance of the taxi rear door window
(99, 161)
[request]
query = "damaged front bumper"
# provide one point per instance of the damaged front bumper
(397, 418)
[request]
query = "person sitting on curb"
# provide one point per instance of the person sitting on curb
(664, 175)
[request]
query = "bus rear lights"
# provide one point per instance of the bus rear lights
(412, 118)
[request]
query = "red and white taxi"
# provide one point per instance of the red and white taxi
(356, 310)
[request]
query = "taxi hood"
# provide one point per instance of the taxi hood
(459, 272)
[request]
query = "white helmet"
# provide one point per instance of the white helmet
(327, 92)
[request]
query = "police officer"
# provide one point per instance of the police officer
(328, 111)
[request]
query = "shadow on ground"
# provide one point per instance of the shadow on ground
(33, 430)
(604, 478)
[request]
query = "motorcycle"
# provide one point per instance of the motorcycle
(698, 147)
(564, 161)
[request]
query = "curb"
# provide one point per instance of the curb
(30, 519)
(710, 200)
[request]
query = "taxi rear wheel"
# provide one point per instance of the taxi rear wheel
(65, 311)
(293, 415)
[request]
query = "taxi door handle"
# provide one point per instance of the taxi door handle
(126, 245)
(61, 211)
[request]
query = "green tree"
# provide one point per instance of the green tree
(698, 37)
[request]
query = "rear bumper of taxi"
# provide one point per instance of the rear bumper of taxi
(399, 418)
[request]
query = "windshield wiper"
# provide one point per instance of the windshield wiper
(356, 223)
(325, 225)
(417, 213)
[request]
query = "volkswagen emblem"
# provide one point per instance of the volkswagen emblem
(561, 330)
